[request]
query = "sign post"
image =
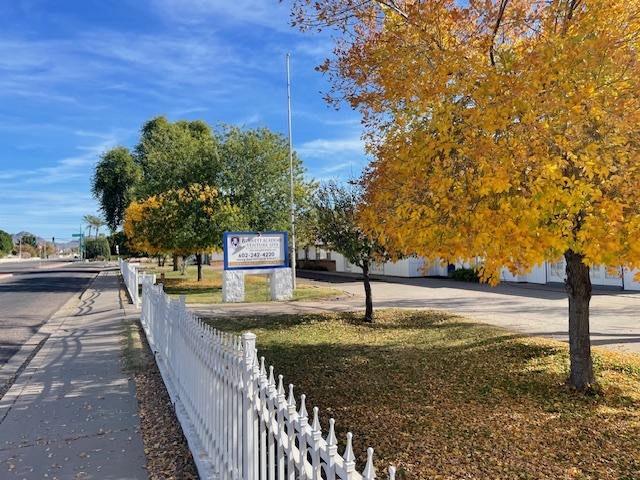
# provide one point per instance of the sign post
(81, 235)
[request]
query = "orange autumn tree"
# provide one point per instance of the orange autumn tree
(502, 130)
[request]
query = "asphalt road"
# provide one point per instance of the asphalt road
(31, 292)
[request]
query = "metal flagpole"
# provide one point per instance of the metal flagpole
(293, 233)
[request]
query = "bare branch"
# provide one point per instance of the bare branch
(503, 7)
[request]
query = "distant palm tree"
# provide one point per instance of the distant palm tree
(87, 220)
(99, 223)
(93, 222)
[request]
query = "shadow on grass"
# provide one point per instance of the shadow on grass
(179, 290)
(408, 320)
(418, 348)
(467, 373)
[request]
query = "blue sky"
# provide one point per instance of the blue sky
(79, 77)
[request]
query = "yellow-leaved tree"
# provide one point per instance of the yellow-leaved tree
(138, 226)
(506, 130)
(183, 221)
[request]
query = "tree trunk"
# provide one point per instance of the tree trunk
(368, 313)
(199, 262)
(176, 262)
(183, 265)
(578, 285)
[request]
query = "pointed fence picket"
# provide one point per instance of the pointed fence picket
(240, 422)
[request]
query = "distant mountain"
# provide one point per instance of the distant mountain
(64, 246)
(18, 236)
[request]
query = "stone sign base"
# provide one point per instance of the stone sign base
(233, 283)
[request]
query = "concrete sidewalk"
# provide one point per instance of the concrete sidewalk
(72, 413)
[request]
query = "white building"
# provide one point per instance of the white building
(413, 267)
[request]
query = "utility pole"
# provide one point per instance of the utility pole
(293, 217)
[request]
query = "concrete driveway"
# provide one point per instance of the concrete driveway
(528, 308)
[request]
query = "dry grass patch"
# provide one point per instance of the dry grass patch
(442, 397)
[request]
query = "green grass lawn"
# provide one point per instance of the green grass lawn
(210, 289)
(442, 397)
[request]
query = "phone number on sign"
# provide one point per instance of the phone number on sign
(250, 255)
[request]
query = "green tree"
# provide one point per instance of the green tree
(97, 224)
(118, 239)
(113, 184)
(97, 248)
(29, 239)
(249, 169)
(335, 216)
(306, 225)
(255, 175)
(173, 155)
(6, 243)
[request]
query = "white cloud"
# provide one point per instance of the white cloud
(325, 147)
(331, 119)
(252, 119)
(339, 171)
(317, 46)
(342, 158)
(48, 214)
(10, 175)
(268, 13)
(99, 60)
(62, 171)
(181, 112)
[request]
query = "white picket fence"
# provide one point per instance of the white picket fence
(133, 277)
(130, 275)
(239, 422)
